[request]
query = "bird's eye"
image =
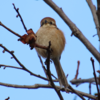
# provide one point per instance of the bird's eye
(51, 23)
(45, 21)
(42, 24)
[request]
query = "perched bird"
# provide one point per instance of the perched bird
(49, 32)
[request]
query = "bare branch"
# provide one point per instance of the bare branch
(39, 76)
(49, 73)
(77, 82)
(77, 71)
(83, 94)
(10, 30)
(7, 98)
(36, 86)
(45, 70)
(89, 88)
(12, 56)
(93, 10)
(17, 10)
(74, 91)
(98, 10)
(92, 60)
(74, 29)
(2, 65)
(23, 67)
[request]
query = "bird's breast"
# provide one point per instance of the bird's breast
(46, 34)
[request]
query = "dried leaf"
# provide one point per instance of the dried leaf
(29, 38)
(23, 38)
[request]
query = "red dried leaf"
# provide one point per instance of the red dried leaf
(30, 31)
(23, 38)
(29, 39)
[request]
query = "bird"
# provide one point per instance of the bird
(48, 31)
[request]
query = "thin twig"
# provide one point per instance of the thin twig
(92, 60)
(40, 46)
(10, 30)
(93, 10)
(98, 12)
(49, 75)
(39, 76)
(76, 92)
(45, 70)
(24, 68)
(42, 64)
(35, 44)
(77, 71)
(89, 89)
(54, 77)
(94, 35)
(7, 98)
(17, 10)
(2, 65)
(77, 82)
(36, 86)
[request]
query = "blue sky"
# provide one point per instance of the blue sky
(32, 11)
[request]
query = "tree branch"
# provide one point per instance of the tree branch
(17, 10)
(74, 29)
(74, 91)
(77, 82)
(2, 65)
(98, 11)
(93, 10)
(89, 89)
(7, 98)
(10, 30)
(92, 60)
(23, 67)
(45, 70)
(36, 86)
(49, 73)
(77, 71)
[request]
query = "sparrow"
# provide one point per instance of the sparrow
(48, 31)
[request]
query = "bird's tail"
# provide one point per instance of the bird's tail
(60, 73)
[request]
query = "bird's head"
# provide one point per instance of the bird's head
(47, 21)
